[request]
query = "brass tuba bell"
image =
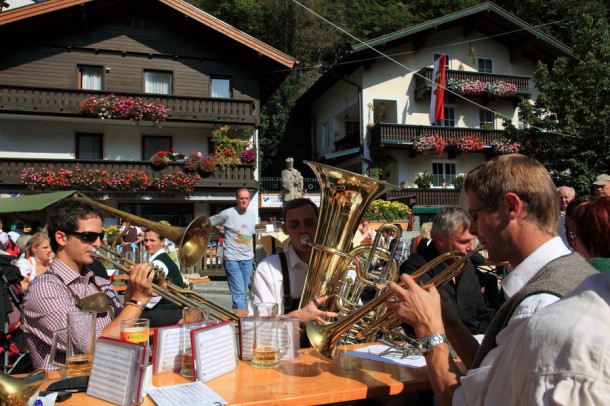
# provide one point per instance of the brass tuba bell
(17, 391)
(344, 197)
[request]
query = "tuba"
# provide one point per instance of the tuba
(333, 270)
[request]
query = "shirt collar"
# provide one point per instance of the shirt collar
(526, 270)
(155, 255)
(294, 260)
(66, 273)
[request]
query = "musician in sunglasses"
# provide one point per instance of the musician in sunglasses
(68, 285)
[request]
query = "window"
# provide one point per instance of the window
(151, 145)
(485, 65)
(443, 172)
(521, 124)
(220, 87)
(352, 130)
(157, 82)
(447, 63)
(449, 120)
(88, 146)
(90, 77)
(325, 135)
(486, 119)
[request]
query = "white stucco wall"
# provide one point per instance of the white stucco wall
(45, 139)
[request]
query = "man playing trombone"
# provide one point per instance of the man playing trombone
(75, 231)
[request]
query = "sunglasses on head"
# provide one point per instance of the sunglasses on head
(87, 236)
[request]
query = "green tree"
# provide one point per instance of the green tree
(570, 126)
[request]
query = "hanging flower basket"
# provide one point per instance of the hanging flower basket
(176, 182)
(430, 143)
(130, 180)
(505, 147)
(496, 88)
(160, 159)
(469, 143)
(124, 108)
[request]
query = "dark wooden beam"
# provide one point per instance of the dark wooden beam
(420, 40)
(185, 29)
(473, 23)
(84, 22)
(517, 51)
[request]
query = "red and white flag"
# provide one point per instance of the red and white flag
(437, 101)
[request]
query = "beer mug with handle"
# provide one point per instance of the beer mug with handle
(79, 344)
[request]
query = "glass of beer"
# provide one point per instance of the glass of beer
(135, 331)
(266, 350)
(191, 319)
(79, 340)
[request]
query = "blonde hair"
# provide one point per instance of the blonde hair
(425, 230)
(35, 241)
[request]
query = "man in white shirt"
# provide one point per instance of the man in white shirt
(566, 195)
(513, 204)
(269, 283)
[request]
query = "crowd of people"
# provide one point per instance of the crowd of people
(546, 335)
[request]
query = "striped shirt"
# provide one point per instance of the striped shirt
(47, 302)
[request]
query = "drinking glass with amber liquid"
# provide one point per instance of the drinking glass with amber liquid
(191, 319)
(79, 340)
(266, 350)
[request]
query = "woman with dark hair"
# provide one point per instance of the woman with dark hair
(588, 230)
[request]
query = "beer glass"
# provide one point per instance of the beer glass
(266, 350)
(78, 340)
(191, 319)
(135, 331)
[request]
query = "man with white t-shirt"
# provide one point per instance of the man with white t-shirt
(238, 231)
(512, 202)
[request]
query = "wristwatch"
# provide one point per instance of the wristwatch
(427, 343)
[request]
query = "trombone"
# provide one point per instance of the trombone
(325, 338)
(173, 293)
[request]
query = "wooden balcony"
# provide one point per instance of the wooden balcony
(226, 178)
(426, 197)
(422, 86)
(385, 134)
(66, 102)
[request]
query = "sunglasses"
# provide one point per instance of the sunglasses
(87, 236)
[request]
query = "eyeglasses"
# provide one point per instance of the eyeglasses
(475, 213)
(87, 236)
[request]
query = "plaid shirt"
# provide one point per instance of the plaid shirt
(47, 302)
(402, 251)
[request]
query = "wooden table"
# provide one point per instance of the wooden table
(312, 379)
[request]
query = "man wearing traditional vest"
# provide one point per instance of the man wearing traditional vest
(513, 204)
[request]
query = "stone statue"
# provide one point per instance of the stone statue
(292, 182)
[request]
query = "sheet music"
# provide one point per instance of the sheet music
(372, 352)
(167, 349)
(214, 351)
(186, 394)
(113, 372)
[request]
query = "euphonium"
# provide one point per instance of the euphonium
(344, 197)
(325, 338)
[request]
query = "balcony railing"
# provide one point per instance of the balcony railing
(422, 86)
(426, 197)
(271, 184)
(36, 100)
(399, 134)
(229, 177)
